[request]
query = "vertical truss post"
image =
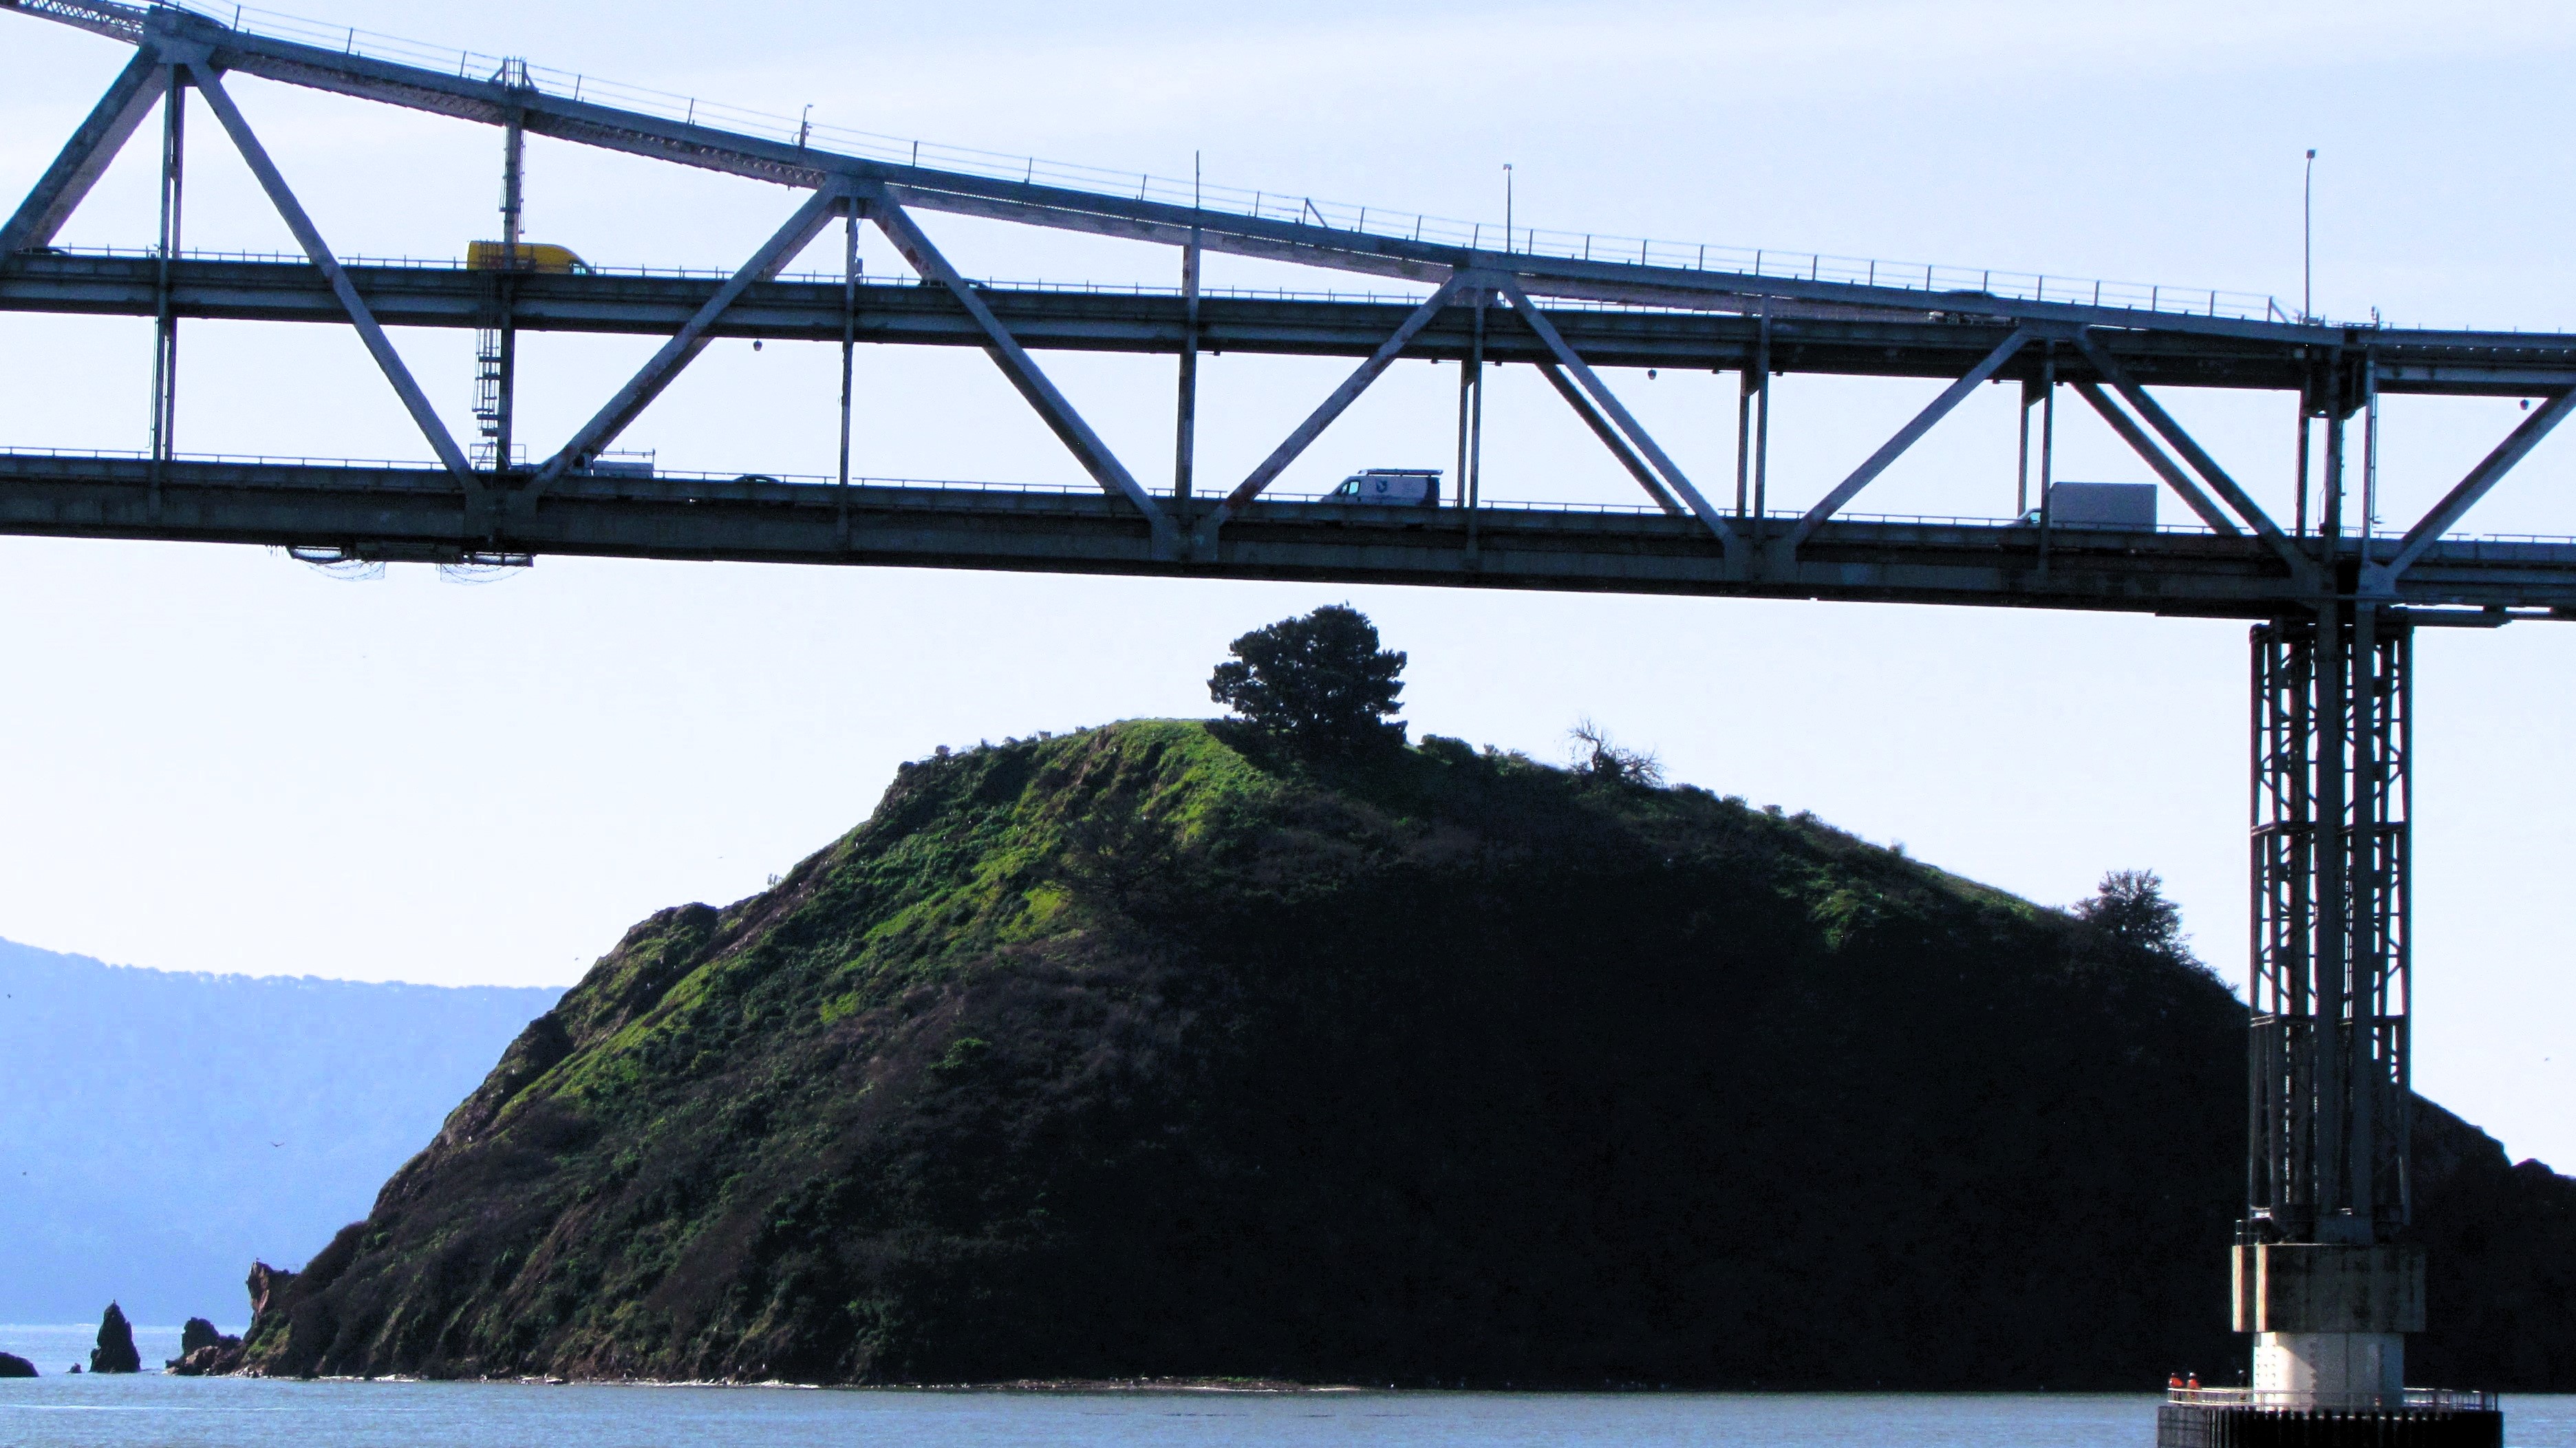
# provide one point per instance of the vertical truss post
(2330, 485)
(1743, 440)
(1468, 367)
(2047, 447)
(2369, 455)
(2021, 463)
(514, 183)
(849, 354)
(1761, 429)
(2330, 935)
(1474, 429)
(2307, 431)
(1185, 433)
(1471, 481)
(165, 333)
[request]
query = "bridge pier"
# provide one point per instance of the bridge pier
(2326, 1280)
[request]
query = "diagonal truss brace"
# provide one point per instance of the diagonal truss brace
(1331, 408)
(2157, 458)
(1906, 436)
(685, 345)
(2192, 452)
(414, 400)
(1016, 364)
(2381, 578)
(86, 155)
(1610, 438)
(1609, 403)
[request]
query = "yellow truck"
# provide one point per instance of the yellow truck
(533, 257)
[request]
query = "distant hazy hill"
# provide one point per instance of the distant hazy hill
(158, 1131)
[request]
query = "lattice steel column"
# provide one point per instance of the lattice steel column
(2321, 1277)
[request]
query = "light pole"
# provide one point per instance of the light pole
(1507, 206)
(2308, 240)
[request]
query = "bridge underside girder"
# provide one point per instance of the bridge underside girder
(398, 513)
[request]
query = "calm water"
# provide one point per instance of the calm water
(249, 1413)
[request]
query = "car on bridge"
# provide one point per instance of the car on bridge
(1402, 487)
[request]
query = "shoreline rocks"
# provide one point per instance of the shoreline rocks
(115, 1352)
(204, 1351)
(14, 1366)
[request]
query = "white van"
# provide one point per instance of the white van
(1407, 487)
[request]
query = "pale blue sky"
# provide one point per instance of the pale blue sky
(229, 762)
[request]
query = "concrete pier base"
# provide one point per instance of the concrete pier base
(2329, 1323)
(2308, 1289)
(2341, 1369)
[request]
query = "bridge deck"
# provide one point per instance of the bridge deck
(1137, 321)
(392, 511)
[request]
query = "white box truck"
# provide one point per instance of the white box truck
(2099, 505)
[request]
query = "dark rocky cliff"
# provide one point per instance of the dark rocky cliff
(1123, 1053)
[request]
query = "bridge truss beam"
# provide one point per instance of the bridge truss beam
(398, 512)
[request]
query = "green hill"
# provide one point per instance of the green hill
(1134, 1052)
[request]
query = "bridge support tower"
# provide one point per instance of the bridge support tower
(2327, 1279)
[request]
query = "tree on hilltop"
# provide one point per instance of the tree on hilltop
(1600, 760)
(2130, 907)
(1320, 683)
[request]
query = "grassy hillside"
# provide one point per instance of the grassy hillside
(1133, 1052)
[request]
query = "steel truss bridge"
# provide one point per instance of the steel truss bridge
(2335, 609)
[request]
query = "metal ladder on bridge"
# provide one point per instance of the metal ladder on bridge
(488, 375)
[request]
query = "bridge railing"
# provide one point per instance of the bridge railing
(1931, 279)
(2041, 287)
(2453, 1400)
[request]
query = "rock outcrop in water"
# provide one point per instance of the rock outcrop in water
(204, 1351)
(1132, 1053)
(115, 1351)
(14, 1366)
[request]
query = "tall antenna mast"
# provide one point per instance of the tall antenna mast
(2308, 240)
